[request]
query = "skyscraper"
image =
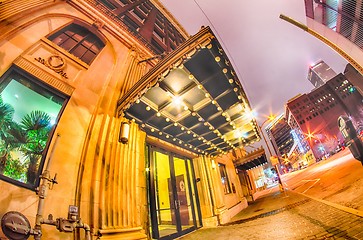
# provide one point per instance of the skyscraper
(319, 73)
(279, 134)
(316, 113)
(340, 22)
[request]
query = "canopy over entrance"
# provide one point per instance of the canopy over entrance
(193, 99)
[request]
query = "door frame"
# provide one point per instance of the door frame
(194, 200)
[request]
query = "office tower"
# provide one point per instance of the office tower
(319, 73)
(315, 114)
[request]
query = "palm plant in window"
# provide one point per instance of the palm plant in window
(37, 126)
(14, 167)
(6, 121)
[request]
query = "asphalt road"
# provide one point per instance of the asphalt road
(338, 179)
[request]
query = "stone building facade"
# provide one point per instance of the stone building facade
(69, 70)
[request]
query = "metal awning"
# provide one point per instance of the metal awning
(251, 159)
(259, 161)
(193, 100)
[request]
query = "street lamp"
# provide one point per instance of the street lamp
(312, 136)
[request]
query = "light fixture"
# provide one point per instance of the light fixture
(177, 101)
(124, 132)
(213, 164)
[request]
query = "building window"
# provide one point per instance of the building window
(108, 4)
(224, 178)
(28, 114)
(78, 41)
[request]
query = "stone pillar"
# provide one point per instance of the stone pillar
(111, 186)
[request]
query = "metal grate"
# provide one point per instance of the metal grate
(342, 16)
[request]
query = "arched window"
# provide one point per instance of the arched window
(78, 41)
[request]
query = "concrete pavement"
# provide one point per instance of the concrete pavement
(286, 215)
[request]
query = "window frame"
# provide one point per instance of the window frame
(223, 173)
(14, 72)
(92, 32)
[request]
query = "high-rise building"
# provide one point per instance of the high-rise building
(319, 73)
(316, 113)
(279, 133)
(340, 22)
(354, 77)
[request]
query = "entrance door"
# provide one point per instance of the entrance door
(172, 194)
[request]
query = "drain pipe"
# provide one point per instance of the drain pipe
(209, 185)
(42, 193)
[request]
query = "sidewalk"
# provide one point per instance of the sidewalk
(285, 216)
(268, 202)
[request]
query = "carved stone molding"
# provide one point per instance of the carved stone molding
(54, 62)
(44, 76)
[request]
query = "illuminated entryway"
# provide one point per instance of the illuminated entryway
(173, 199)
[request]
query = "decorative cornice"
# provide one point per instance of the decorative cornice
(44, 76)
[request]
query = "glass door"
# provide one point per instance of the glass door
(172, 195)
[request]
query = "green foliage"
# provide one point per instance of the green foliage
(36, 120)
(6, 121)
(37, 127)
(29, 137)
(6, 113)
(15, 169)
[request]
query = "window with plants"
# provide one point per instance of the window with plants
(28, 113)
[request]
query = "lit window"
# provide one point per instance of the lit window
(28, 112)
(224, 178)
(78, 41)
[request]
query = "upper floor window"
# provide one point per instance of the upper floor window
(78, 41)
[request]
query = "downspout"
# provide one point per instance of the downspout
(209, 186)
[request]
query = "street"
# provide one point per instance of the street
(337, 179)
(322, 201)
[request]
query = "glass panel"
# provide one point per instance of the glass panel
(88, 57)
(183, 192)
(165, 203)
(27, 115)
(190, 169)
(224, 178)
(68, 44)
(79, 51)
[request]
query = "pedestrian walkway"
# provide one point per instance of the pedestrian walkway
(286, 215)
